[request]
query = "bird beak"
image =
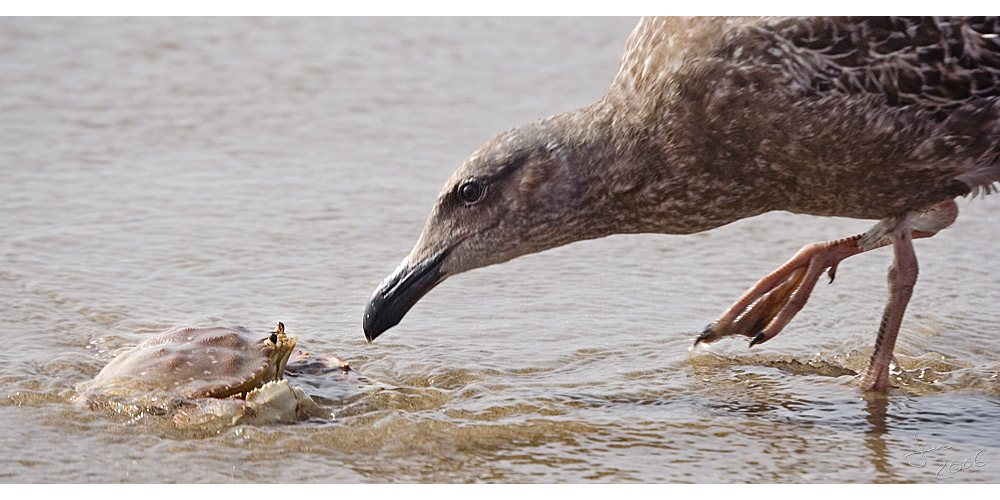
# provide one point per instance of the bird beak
(400, 291)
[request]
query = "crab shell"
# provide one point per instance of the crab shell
(195, 363)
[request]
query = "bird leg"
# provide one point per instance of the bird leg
(902, 277)
(770, 304)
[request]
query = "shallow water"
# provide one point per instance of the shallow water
(177, 172)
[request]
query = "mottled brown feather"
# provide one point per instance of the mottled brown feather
(711, 120)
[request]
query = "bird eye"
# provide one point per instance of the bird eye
(471, 192)
(274, 338)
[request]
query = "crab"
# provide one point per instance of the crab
(211, 376)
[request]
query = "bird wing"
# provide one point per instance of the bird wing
(939, 63)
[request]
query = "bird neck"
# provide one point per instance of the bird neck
(640, 174)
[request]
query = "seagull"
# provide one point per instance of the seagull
(713, 120)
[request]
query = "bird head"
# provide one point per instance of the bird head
(521, 192)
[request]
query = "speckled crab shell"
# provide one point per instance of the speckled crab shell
(193, 363)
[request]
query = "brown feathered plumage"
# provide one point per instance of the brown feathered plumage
(711, 120)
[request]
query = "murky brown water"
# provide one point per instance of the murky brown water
(172, 172)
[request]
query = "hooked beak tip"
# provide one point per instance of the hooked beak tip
(399, 292)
